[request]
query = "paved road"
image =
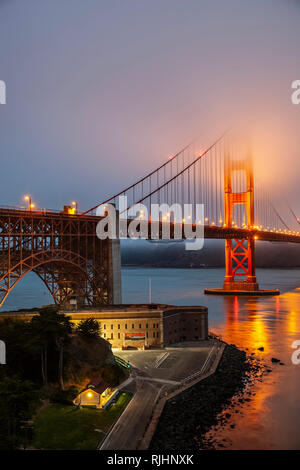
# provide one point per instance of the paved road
(131, 425)
(177, 364)
(153, 371)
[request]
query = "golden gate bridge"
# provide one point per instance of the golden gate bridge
(63, 249)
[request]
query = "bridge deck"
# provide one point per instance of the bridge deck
(210, 231)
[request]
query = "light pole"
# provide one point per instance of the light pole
(28, 198)
(30, 204)
(75, 205)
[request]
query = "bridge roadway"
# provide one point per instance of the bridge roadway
(8, 225)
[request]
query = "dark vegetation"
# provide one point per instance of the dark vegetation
(47, 359)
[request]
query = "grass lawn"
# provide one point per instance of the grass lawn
(69, 428)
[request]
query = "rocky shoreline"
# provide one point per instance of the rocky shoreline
(188, 417)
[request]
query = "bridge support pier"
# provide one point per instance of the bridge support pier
(240, 260)
(240, 278)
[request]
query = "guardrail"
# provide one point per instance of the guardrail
(121, 362)
(161, 359)
(40, 211)
(26, 209)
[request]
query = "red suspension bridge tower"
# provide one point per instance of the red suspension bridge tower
(240, 275)
(239, 253)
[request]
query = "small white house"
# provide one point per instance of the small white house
(98, 394)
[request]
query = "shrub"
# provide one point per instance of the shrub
(89, 328)
(64, 397)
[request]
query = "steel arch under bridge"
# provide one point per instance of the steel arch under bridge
(64, 251)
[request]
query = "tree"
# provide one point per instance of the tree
(16, 407)
(20, 356)
(89, 328)
(50, 331)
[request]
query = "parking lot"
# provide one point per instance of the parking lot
(172, 363)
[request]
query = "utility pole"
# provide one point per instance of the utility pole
(150, 296)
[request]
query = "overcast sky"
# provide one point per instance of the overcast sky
(99, 92)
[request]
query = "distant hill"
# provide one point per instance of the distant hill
(173, 254)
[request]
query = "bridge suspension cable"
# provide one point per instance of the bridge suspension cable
(183, 179)
(192, 177)
(293, 213)
(141, 181)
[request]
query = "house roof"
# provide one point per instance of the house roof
(98, 385)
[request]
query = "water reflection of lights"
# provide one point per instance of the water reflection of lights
(289, 310)
(258, 333)
(245, 324)
(277, 300)
(236, 306)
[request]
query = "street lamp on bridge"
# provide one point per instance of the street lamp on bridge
(30, 205)
(75, 205)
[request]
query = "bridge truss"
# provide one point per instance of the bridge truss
(62, 250)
